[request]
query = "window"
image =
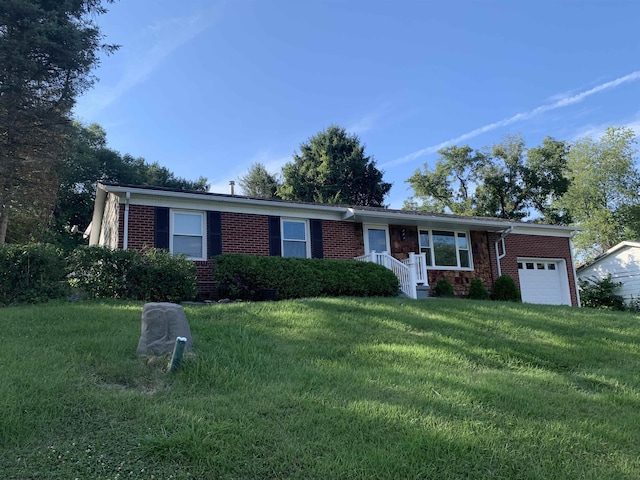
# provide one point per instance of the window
(551, 266)
(445, 249)
(295, 237)
(187, 234)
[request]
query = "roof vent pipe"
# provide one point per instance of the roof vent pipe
(231, 185)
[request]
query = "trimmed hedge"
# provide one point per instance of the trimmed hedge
(444, 289)
(477, 290)
(153, 275)
(248, 276)
(31, 273)
(505, 289)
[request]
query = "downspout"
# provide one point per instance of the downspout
(125, 236)
(573, 264)
(504, 249)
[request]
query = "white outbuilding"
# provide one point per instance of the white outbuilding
(622, 262)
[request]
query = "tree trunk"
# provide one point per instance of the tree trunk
(4, 221)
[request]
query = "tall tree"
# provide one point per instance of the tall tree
(333, 168)
(89, 160)
(47, 51)
(258, 182)
(603, 196)
(504, 181)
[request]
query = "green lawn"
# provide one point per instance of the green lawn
(323, 388)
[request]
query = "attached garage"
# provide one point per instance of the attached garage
(544, 281)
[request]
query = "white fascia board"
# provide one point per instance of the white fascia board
(224, 203)
(98, 212)
(461, 222)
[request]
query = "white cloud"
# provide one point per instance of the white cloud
(160, 40)
(596, 131)
(559, 103)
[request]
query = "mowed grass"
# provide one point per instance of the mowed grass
(321, 389)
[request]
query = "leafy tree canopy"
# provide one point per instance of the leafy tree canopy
(333, 168)
(504, 181)
(259, 183)
(602, 196)
(47, 51)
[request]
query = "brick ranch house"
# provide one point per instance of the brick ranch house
(420, 247)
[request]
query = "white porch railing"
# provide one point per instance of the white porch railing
(419, 262)
(410, 271)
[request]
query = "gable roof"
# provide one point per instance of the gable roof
(159, 196)
(612, 250)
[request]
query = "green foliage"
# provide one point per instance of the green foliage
(31, 273)
(160, 276)
(601, 294)
(506, 290)
(333, 168)
(506, 181)
(259, 183)
(153, 275)
(477, 290)
(246, 276)
(443, 289)
(603, 195)
(47, 52)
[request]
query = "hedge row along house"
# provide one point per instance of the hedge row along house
(420, 247)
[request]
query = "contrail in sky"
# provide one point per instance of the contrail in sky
(562, 102)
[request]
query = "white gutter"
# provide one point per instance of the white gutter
(504, 249)
(98, 211)
(575, 274)
(125, 237)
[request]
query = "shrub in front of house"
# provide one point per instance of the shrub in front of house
(31, 273)
(601, 294)
(159, 276)
(153, 275)
(251, 277)
(506, 290)
(477, 290)
(443, 289)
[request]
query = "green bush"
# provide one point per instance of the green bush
(477, 290)
(153, 275)
(600, 294)
(159, 276)
(31, 273)
(505, 289)
(443, 289)
(248, 276)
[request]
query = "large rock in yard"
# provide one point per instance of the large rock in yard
(161, 324)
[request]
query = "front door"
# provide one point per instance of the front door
(376, 238)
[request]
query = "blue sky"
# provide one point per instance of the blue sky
(210, 87)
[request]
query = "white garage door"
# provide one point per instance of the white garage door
(544, 281)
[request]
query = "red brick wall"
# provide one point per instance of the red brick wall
(340, 240)
(244, 233)
(141, 220)
(537, 246)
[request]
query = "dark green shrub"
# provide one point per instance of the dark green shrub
(153, 275)
(477, 290)
(443, 289)
(247, 276)
(600, 294)
(31, 273)
(505, 289)
(101, 272)
(159, 276)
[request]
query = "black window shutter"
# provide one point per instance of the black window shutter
(316, 239)
(275, 249)
(161, 230)
(214, 234)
